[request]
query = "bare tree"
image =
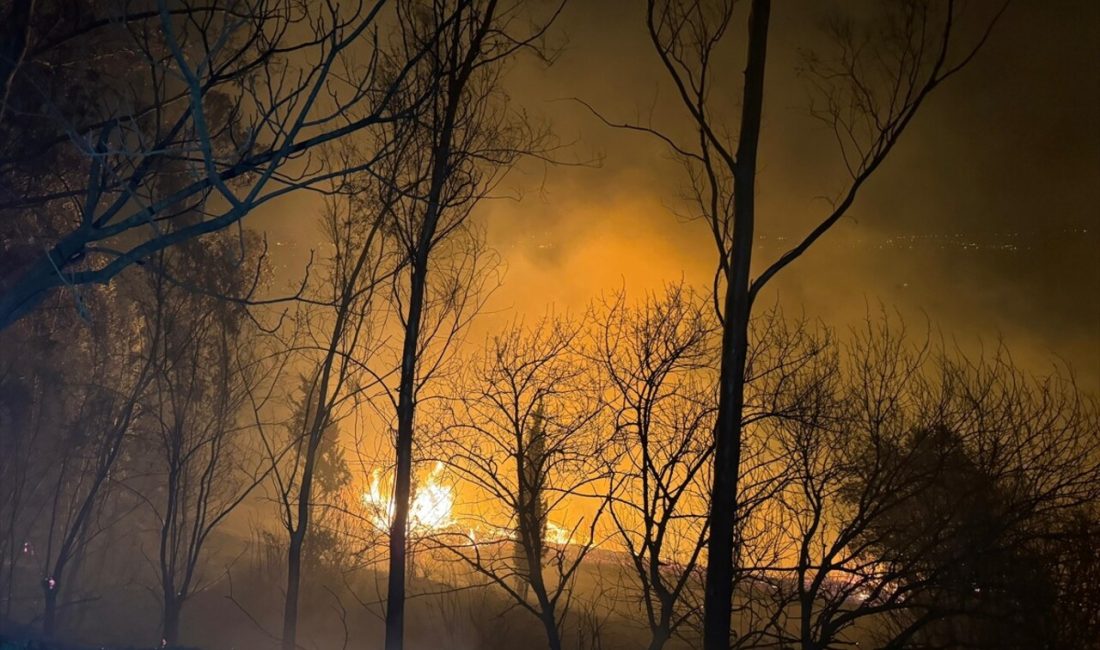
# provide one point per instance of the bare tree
(467, 137)
(85, 452)
(658, 358)
(923, 496)
(869, 93)
(523, 435)
(336, 341)
(236, 97)
(29, 418)
(203, 372)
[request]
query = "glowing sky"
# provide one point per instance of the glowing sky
(985, 218)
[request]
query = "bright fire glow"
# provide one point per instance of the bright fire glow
(429, 511)
(556, 534)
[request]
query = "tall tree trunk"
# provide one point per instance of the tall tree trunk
(659, 637)
(805, 620)
(402, 488)
(319, 420)
(173, 608)
(722, 519)
(406, 395)
(456, 81)
(50, 588)
(293, 582)
(553, 637)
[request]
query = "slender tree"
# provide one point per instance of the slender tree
(203, 371)
(468, 136)
(336, 340)
(87, 449)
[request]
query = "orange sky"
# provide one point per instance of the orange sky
(984, 219)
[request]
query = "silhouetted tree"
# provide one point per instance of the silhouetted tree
(203, 369)
(658, 360)
(107, 374)
(105, 97)
(869, 93)
(467, 137)
(921, 498)
(522, 435)
(339, 340)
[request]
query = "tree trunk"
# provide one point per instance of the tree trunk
(553, 637)
(406, 401)
(722, 518)
(305, 497)
(293, 580)
(13, 554)
(806, 633)
(718, 597)
(50, 587)
(659, 637)
(402, 488)
(173, 608)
